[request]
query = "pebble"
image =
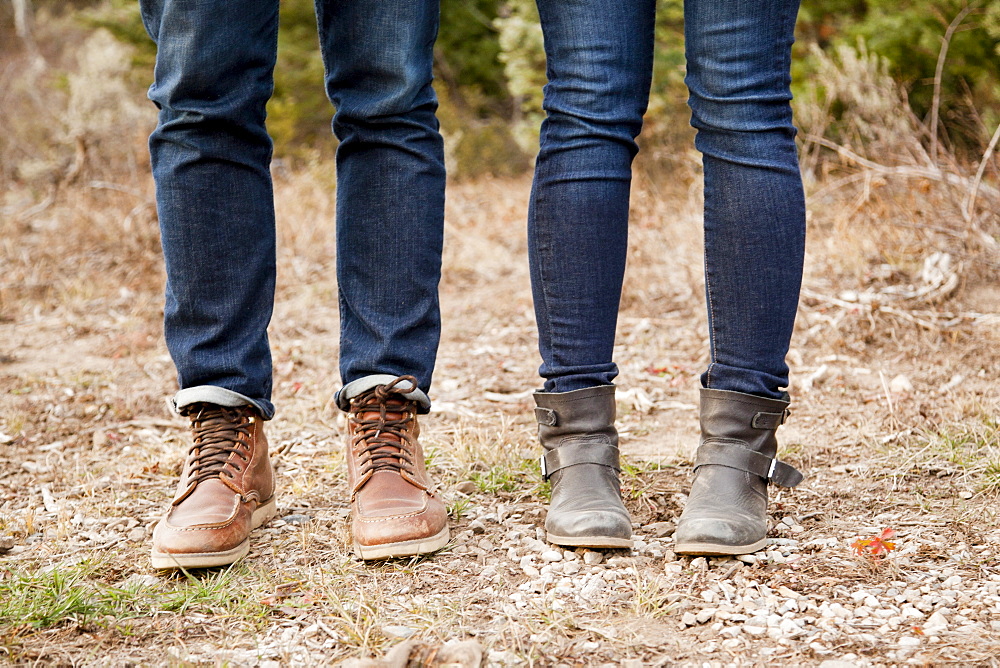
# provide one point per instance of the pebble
(552, 556)
(659, 529)
(936, 623)
(747, 558)
(297, 519)
(477, 526)
(467, 487)
(592, 558)
(397, 631)
(689, 619)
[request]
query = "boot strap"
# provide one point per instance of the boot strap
(571, 454)
(734, 456)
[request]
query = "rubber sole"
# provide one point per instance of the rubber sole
(405, 548)
(262, 515)
(709, 549)
(588, 541)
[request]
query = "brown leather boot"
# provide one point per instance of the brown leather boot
(395, 512)
(226, 490)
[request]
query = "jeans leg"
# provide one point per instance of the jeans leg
(390, 183)
(738, 60)
(599, 63)
(210, 155)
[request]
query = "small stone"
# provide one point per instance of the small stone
(909, 641)
(592, 558)
(571, 568)
(552, 556)
(297, 519)
(936, 623)
(747, 558)
(477, 526)
(7, 544)
(659, 529)
(705, 615)
(699, 564)
(689, 619)
(754, 630)
(142, 580)
(790, 629)
(900, 385)
(965, 494)
(952, 582)
(837, 663)
(467, 487)
(397, 631)
(669, 556)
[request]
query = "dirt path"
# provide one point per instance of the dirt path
(896, 424)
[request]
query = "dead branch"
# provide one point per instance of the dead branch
(978, 180)
(938, 72)
(905, 171)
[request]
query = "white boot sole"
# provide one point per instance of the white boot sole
(709, 549)
(406, 548)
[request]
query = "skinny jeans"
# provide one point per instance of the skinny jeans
(599, 63)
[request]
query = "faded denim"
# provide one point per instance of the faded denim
(211, 153)
(599, 62)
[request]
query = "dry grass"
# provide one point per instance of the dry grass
(89, 455)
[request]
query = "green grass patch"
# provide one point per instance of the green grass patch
(77, 594)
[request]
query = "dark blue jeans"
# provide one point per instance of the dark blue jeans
(211, 154)
(600, 55)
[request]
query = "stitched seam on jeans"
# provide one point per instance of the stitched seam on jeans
(545, 282)
(711, 316)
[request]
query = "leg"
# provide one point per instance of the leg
(390, 220)
(210, 155)
(599, 67)
(390, 188)
(599, 62)
(738, 74)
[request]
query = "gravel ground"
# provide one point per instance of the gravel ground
(894, 423)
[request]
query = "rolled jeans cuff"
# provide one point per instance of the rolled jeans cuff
(220, 396)
(361, 385)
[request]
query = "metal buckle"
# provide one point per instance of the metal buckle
(545, 470)
(770, 471)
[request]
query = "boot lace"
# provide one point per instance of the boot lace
(384, 443)
(217, 436)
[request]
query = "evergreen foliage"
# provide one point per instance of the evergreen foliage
(490, 69)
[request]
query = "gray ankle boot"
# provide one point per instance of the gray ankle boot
(577, 430)
(726, 512)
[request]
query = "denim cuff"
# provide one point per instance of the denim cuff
(356, 387)
(220, 396)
